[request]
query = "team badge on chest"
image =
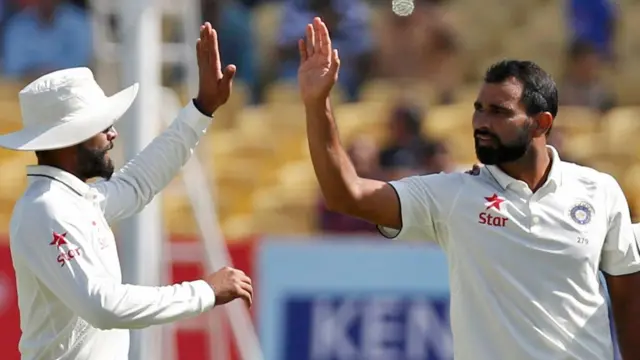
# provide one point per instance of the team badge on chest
(581, 213)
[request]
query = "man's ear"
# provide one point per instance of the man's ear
(543, 122)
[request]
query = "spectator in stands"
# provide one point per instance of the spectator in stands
(443, 68)
(45, 36)
(402, 156)
(582, 85)
(348, 22)
(593, 22)
(419, 46)
(232, 19)
(436, 158)
(363, 152)
(253, 3)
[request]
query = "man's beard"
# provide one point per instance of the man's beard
(94, 162)
(501, 153)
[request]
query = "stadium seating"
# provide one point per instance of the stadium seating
(257, 156)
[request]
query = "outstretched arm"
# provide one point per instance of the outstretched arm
(144, 176)
(343, 189)
(61, 254)
(136, 184)
(410, 208)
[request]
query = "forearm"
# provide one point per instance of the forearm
(161, 161)
(625, 306)
(133, 307)
(344, 191)
(627, 325)
(334, 170)
(86, 286)
(137, 183)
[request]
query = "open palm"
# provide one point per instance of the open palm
(215, 83)
(319, 63)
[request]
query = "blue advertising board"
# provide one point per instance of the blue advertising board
(366, 299)
(372, 327)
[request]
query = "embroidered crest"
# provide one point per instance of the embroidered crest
(581, 213)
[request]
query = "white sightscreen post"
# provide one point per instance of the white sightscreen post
(191, 29)
(141, 236)
(216, 252)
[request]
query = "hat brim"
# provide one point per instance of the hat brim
(80, 127)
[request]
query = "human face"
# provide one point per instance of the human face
(502, 130)
(92, 156)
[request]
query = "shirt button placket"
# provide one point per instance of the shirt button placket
(534, 210)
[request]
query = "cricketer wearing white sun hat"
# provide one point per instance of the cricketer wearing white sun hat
(72, 302)
(65, 108)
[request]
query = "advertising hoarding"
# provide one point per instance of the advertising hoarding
(332, 299)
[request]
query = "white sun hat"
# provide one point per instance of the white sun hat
(65, 108)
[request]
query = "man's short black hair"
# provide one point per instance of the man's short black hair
(539, 91)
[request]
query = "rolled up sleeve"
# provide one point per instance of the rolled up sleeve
(62, 256)
(620, 253)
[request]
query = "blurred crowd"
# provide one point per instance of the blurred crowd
(39, 36)
(43, 35)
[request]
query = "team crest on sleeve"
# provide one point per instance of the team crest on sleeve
(581, 213)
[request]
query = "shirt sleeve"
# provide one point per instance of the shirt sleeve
(62, 256)
(425, 201)
(620, 254)
(136, 184)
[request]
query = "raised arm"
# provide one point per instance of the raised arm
(136, 184)
(143, 177)
(343, 190)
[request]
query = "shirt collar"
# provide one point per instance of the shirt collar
(554, 177)
(71, 181)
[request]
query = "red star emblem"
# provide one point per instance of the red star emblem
(58, 239)
(493, 201)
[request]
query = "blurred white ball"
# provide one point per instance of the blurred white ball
(402, 7)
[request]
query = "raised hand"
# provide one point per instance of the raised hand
(319, 63)
(215, 84)
(229, 284)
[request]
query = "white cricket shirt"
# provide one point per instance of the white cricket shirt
(73, 305)
(523, 266)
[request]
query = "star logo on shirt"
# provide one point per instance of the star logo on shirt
(493, 201)
(58, 239)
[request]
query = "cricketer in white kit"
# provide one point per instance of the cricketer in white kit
(525, 237)
(73, 305)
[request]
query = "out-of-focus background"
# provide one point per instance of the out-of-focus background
(328, 286)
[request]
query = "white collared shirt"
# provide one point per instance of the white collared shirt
(523, 266)
(72, 302)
